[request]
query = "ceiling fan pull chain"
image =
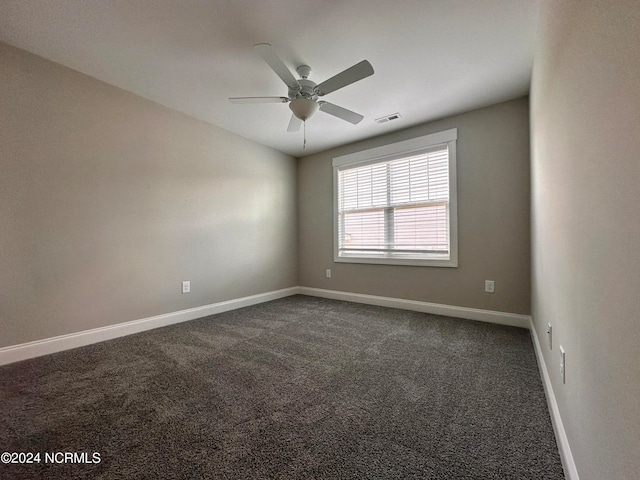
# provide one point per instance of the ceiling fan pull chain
(304, 130)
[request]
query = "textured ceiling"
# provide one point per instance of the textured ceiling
(432, 58)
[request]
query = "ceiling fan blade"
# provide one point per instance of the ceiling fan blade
(343, 113)
(270, 56)
(347, 77)
(294, 124)
(258, 99)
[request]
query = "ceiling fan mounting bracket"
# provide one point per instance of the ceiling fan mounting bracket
(304, 71)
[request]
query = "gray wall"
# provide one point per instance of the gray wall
(585, 134)
(493, 218)
(108, 201)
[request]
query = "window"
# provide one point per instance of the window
(396, 204)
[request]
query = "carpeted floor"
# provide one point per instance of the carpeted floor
(297, 388)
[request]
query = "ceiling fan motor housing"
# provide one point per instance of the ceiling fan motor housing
(307, 90)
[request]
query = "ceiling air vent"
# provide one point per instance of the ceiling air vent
(388, 118)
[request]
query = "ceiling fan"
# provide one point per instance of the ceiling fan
(303, 93)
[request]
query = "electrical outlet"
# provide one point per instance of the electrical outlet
(186, 287)
(550, 335)
(563, 365)
(328, 273)
(489, 286)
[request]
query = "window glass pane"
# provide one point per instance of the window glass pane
(400, 178)
(421, 228)
(363, 187)
(439, 176)
(397, 208)
(417, 186)
(363, 230)
(419, 178)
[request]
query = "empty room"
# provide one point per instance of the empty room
(320, 239)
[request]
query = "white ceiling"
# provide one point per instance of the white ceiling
(432, 58)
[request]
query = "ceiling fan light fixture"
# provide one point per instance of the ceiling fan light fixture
(303, 108)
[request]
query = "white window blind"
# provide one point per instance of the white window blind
(395, 208)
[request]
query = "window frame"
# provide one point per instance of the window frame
(387, 153)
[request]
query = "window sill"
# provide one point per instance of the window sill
(415, 262)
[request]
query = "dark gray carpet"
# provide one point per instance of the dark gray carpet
(298, 388)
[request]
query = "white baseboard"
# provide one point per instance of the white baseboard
(570, 471)
(47, 346)
(24, 351)
(512, 319)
